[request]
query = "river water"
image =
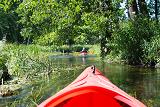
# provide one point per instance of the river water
(142, 83)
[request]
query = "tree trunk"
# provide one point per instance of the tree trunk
(127, 5)
(133, 9)
(156, 10)
(143, 8)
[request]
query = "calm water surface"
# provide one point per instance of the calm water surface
(142, 83)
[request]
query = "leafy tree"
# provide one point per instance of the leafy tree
(8, 21)
(41, 17)
(68, 22)
(131, 40)
(100, 17)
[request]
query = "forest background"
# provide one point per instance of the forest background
(124, 29)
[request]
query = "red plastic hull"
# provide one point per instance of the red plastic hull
(83, 53)
(91, 89)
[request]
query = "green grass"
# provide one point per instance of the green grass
(32, 64)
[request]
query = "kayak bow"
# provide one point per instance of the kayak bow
(91, 89)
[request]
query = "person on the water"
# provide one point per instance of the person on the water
(84, 50)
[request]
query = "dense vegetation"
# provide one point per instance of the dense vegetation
(85, 22)
(128, 29)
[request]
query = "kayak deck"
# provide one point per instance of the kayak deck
(90, 98)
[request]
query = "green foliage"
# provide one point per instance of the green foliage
(81, 39)
(94, 49)
(130, 39)
(21, 59)
(47, 39)
(152, 48)
(60, 23)
(3, 61)
(40, 18)
(73, 21)
(8, 21)
(74, 48)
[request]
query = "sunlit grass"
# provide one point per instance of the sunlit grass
(46, 86)
(41, 74)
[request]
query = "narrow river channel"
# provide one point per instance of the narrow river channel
(142, 83)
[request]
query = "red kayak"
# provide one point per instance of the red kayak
(83, 53)
(91, 89)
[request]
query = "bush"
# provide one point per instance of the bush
(130, 38)
(152, 49)
(24, 60)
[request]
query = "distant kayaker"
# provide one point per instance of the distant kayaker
(84, 50)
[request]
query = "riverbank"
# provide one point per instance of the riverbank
(22, 58)
(22, 64)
